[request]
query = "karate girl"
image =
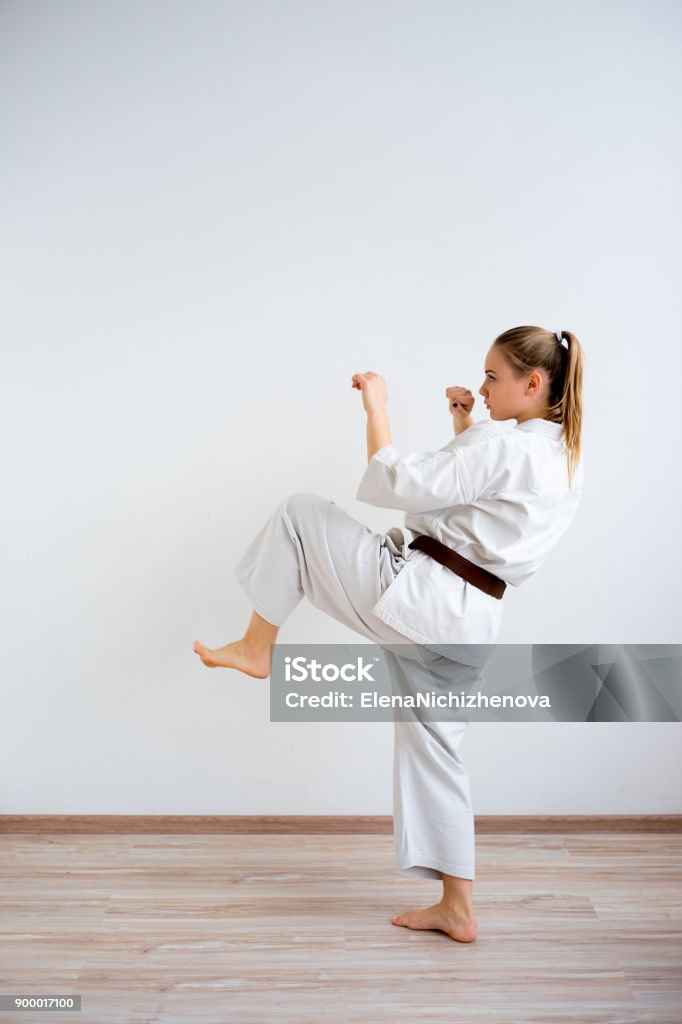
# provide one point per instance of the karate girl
(500, 494)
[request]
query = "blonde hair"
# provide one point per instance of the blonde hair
(534, 348)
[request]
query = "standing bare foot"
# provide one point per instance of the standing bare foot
(458, 923)
(251, 661)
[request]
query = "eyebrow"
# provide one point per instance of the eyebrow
(490, 371)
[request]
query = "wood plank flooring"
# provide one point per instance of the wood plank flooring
(258, 928)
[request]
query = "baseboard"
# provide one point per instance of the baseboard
(332, 824)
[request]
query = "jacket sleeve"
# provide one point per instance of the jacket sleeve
(419, 482)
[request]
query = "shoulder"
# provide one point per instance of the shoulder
(501, 458)
(485, 432)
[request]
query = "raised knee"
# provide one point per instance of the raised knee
(302, 501)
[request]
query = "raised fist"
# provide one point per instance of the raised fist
(460, 401)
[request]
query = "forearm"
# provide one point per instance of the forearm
(462, 425)
(378, 431)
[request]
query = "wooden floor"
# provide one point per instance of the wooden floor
(249, 928)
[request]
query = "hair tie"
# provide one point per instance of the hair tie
(562, 341)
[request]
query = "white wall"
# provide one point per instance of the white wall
(213, 214)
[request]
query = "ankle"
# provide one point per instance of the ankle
(460, 908)
(255, 647)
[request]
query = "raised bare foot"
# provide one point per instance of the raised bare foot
(458, 924)
(237, 656)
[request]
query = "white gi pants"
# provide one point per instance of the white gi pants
(311, 547)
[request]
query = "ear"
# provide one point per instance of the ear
(535, 382)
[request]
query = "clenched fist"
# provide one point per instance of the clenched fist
(460, 401)
(373, 388)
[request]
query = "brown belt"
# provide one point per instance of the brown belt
(470, 572)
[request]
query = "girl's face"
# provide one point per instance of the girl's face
(509, 397)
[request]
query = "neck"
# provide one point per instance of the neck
(537, 414)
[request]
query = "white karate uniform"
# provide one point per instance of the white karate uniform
(497, 494)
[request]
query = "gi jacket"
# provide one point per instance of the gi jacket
(497, 494)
